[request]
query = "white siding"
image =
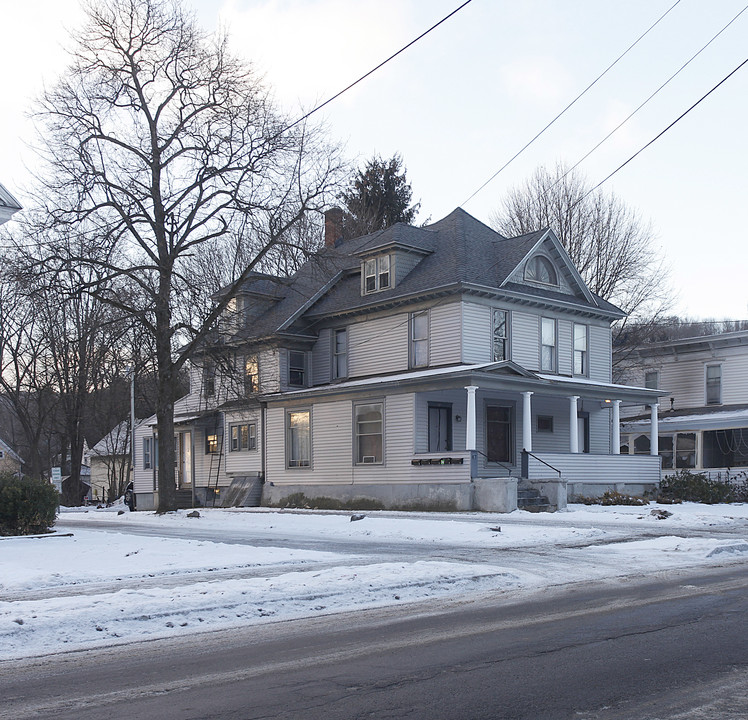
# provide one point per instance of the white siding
(476, 333)
(276, 450)
(244, 462)
(445, 334)
(332, 449)
(270, 370)
(564, 345)
(599, 343)
(322, 358)
(526, 340)
(378, 346)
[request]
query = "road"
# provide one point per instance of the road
(669, 647)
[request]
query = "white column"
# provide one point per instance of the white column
(526, 421)
(654, 431)
(470, 440)
(573, 426)
(616, 440)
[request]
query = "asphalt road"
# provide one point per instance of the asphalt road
(669, 647)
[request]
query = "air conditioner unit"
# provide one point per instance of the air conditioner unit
(369, 459)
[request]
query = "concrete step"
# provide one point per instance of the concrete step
(530, 499)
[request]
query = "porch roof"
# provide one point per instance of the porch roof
(505, 375)
(701, 418)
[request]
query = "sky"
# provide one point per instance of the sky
(82, 588)
(462, 101)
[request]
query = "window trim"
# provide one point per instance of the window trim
(217, 435)
(251, 388)
(450, 435)
(209, 377)
(505, 337)
(337, 356)
(287, 434)
(656, 374)
(251, 437)
(412, 340)
(707, 401)
(356, 435)
(554, 363)
(148, 453)
(547, 420)
(377, 273)
(585, 353)
(534, 260)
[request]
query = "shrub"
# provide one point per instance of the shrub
(697, 487)
(612, 497)
(27, 506)
(299, 500)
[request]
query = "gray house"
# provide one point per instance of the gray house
(442, 366)
(9, 206)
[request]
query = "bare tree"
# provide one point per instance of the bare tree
(159, 144)
(610, 244)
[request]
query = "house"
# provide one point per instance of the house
(437, 367)
(10, 461)
(109, 460)
(702, 418)
(8, 205)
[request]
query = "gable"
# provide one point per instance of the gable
(547, 266)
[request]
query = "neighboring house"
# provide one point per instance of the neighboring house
(109, 460)
(8, 205)
(10, 461)
(702, 420)
(433, 366)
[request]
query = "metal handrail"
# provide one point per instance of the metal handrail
(555, 469)
(506, 467)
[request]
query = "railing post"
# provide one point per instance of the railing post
(616, 439)
(470, 429)
(526, 421)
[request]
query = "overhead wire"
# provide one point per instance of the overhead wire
(656, 92)
(572, 103)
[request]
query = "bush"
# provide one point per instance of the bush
(612, 497)
(299, 500)
(27, 507)
(697, 487)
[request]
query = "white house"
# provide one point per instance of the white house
(8, 205)
(438, 366)
(702, 417)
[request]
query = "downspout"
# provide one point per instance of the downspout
(263, 443)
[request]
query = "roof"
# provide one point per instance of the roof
(458, 254)
(9, 451)
(8, 205)
(115, 442)
(701, 418)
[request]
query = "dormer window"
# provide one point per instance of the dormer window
(376, 273)
(540, 270)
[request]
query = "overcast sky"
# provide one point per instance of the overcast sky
(462, 101)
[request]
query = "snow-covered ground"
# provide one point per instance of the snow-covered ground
(95, 584)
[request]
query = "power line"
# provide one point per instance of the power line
(381, 64)
(623, 122)
(573, 102)
(659, 135)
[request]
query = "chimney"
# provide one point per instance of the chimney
(333, 227)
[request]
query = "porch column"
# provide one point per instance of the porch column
(616, 439)
(654, 430)
(470, 419)
(573, 426)
(526, 421)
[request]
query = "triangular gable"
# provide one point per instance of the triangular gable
(507, 367)
(570, 281)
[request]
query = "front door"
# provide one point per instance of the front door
(499, 433)
(583, 432)
(184, 459)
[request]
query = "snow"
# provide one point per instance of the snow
(95, 585)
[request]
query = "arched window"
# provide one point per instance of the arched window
(540, 269)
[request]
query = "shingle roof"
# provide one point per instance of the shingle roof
(8, 205)
(459, 250)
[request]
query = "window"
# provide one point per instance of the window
(147, 446)
(652, 380)
(211, 442)
(243, 437)
(299, 439)
(540, 269)
(297, 368)
(500, 335)
(440, 428)
(665, 450)
(547, 344)
(713, 384)
(545, 423)
(251, 375)
(419, 339)
(340, 354)
(377, 273)
(369, 433)
(209, 377)
(685, 450)
(580, 349)
(499, 433)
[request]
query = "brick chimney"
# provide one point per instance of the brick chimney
(333, 227)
